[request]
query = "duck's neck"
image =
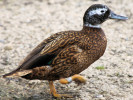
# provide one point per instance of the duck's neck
(92, 26)
(87, 28)
(92, 30)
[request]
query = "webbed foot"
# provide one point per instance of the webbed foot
(77, 78)
(55, 94)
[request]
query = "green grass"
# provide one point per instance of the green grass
(100, 67)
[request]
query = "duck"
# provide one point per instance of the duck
(64, 55)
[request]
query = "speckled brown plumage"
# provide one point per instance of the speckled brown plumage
(66, 54)
(71, 52)
(89, 45)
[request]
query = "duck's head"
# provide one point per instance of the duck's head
(97, 14)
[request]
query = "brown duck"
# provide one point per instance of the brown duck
(64, 55)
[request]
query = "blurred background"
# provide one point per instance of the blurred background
(25, 23)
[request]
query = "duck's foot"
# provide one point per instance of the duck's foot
(55, 94)
(77, 78)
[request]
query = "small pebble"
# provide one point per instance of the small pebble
(130, 75)
(98, 96)
(2, 41)
(8, 47)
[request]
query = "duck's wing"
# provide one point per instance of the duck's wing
(39, 47)
(44, 53)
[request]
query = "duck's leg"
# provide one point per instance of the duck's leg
(54, 93)
(77, 78)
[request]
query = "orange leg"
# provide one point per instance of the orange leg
(77, 78)
(54, 93)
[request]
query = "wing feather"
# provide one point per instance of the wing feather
(45, 52)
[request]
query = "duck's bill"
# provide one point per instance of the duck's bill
(115, 16)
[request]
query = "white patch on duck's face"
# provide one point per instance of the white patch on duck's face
(98, 11)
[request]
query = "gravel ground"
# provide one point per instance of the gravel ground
(25, 23)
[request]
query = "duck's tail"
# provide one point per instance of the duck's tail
(17, 74)
(35, 73)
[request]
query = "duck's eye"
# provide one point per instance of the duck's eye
(102, 11)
